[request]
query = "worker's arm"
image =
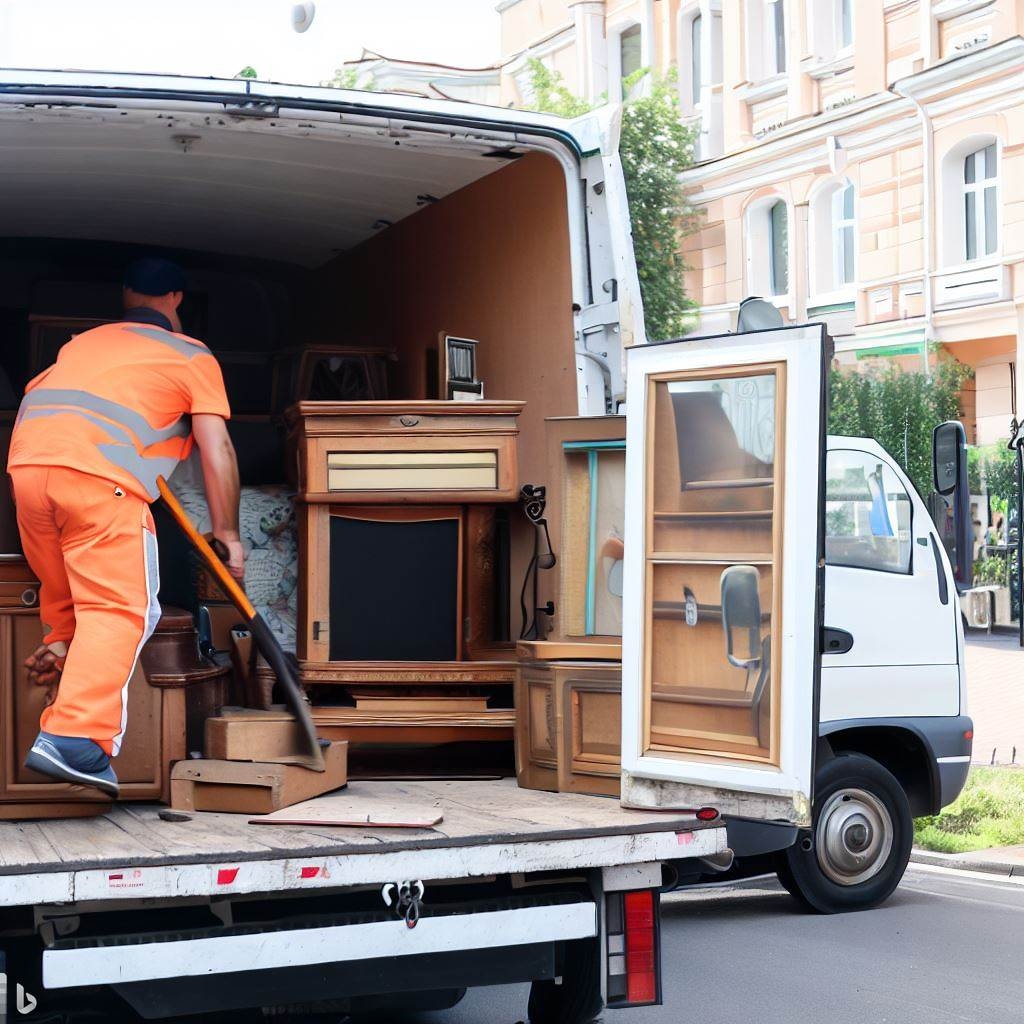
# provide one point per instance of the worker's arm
(220, 475)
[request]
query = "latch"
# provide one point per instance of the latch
(405, 899)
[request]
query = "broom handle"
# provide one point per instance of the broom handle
(230, 585)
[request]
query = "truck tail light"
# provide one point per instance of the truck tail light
(633, 948)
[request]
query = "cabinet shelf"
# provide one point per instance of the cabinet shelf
(710, 558)
(707, 485)
(742, 515)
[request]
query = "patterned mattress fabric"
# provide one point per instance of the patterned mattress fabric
(267, 527)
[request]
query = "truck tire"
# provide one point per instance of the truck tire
(577, 1000)
(855, 854)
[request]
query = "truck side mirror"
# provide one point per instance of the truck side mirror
(741, 615)
(948, 442)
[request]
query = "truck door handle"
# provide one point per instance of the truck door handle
(835, 641)
(940, 572)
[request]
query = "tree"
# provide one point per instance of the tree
(654, 147)
(348, 78)
(899, 409)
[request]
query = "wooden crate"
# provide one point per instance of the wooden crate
(568, 726)
(254, 787)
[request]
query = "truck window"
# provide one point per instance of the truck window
(867, 514)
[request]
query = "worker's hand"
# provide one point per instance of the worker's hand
(46, 663)
(235, 560)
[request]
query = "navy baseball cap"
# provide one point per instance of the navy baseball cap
(152, 275)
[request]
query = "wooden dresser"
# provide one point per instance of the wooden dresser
(403, 509)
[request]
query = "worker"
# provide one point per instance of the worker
(120, 407)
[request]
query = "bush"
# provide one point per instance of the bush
(899, 409)
(989, 812)
(654, 147)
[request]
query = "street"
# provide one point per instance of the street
(946, 947)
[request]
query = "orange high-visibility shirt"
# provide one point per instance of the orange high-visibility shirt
(116, 404)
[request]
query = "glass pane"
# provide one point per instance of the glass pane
(846, 238)
(711, 689)
(608, 507)
(845, 23)
(629, 51)
(867, 514)
(991, 230)
(710, 563)
(848, 199)
(779, 235)
(969, 169)
(714, 457)
(779, 31)
(970, 226)
(990, 161)
(695, 50)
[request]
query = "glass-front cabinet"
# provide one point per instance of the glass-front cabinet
(722, 565)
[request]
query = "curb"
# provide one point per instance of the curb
(969, 862)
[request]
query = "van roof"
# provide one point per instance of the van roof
(293, 173)
(582, 133)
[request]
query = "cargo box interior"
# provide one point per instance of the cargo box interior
(328, 257)
(295, 236)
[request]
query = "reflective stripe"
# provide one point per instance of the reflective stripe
(153, 611)
(134, 421)
(189, 349)
(110, 428)
(144, 469)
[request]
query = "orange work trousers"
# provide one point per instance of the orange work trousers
(93, 546)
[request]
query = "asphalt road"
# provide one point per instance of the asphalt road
(947, 947)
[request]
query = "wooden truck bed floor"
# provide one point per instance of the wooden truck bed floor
(489, 827)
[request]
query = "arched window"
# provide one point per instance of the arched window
(768, 248)
(969, 195)
(981, 202)
(833, 248)
(778, 247)
(844, 228)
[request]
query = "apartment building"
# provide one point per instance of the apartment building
(860, 161)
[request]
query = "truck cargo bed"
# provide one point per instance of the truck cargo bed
(489, 827)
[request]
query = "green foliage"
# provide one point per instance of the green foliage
(899, 409)
(247, 72)
(348, 78)
(999, 466)
(550, 93)
(654, 147)
(989, 812)
(994, 569)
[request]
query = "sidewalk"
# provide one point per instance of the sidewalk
(995, 697)
(1002, 860)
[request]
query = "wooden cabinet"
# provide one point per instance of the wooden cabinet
(403, 566)
(155, 736)
(569, 726)
(405, 452)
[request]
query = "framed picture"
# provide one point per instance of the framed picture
(458, 369)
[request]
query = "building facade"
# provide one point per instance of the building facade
(859, 161)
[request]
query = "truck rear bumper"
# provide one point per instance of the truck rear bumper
(115, 962)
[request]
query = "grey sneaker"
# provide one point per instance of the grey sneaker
(73, 759)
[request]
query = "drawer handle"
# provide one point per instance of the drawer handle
(29, 597)
(408, 421)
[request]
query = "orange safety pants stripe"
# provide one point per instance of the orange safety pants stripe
(93, 546)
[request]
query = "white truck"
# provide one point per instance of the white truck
(398, 217)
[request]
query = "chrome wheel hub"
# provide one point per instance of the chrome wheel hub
(853, 837)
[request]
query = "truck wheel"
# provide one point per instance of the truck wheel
(578, 999)
(855, 855)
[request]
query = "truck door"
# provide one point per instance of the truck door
(891, 607)
(723, 572)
